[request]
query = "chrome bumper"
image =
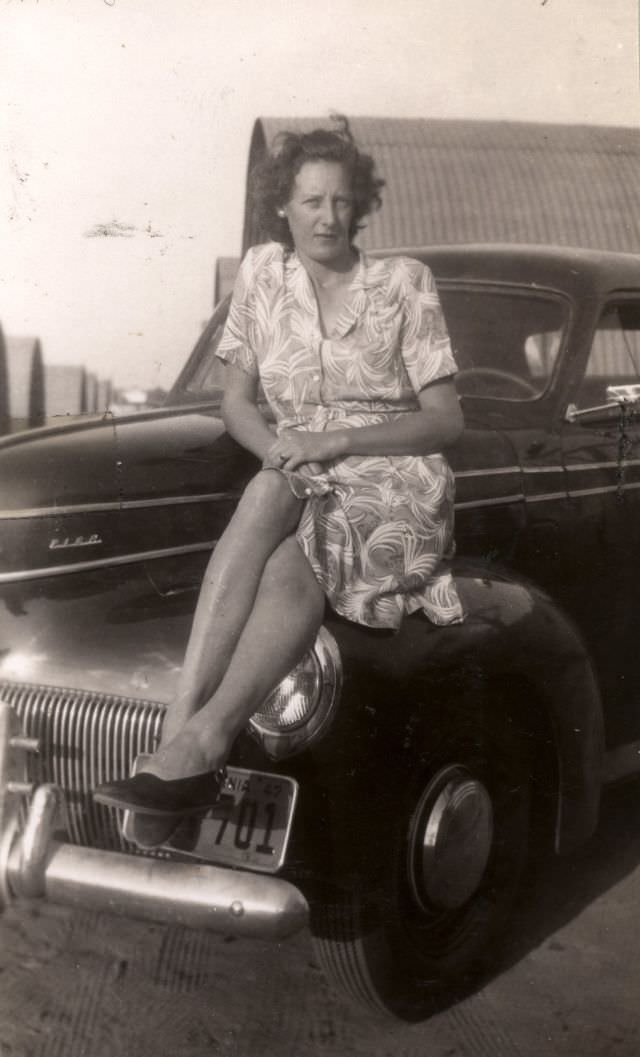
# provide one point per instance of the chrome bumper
(32, 865)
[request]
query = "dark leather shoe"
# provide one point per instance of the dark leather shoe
(152, 831)
(151, 795)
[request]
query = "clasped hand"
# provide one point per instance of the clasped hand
(295, 448)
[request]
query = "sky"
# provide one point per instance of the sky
(133, 118)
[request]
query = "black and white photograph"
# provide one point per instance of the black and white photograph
(319, 528)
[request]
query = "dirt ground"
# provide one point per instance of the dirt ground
(84, 984)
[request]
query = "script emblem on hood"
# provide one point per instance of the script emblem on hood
(59, 542)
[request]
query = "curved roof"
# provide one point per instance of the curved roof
(489, 181)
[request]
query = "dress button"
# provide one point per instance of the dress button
(316, 378)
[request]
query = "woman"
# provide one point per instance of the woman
(354, 502)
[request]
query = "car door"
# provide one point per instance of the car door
(507, 339)
(601, 559)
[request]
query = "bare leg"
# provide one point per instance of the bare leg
(267, 513)
(283, 623)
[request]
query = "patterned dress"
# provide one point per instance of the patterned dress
(377, 530)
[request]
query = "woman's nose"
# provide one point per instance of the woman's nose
(329, 212)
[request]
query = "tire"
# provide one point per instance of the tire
(454, 852)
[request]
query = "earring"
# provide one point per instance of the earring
(281, 213)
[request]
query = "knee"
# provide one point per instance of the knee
(267, 495)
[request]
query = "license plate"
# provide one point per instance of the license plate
(249, 827)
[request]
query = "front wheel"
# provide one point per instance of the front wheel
(454, 853)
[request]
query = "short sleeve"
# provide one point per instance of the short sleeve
(425, 345)
(237, 345)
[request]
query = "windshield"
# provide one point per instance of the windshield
(207, 372)
(506, 340)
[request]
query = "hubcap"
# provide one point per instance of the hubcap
(450, 839)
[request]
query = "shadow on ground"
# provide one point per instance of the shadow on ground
(556, 890)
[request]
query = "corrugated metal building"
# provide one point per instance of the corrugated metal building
(25, 383)
(4, 387)
(66, 389)
(495, 181)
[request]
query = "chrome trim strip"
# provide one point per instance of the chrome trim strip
(517, 498)
(622, 487)
(543, 469)
(57, 511)
(65, 718)
(495, 472)
(510, 469)
(547, 469)
(576, 493)
(100, 563)
(216, 497)
(127, 504)
(544, 497)
(578, 467)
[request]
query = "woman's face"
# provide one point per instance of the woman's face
(320, 211)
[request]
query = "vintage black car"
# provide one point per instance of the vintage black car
(388, 791)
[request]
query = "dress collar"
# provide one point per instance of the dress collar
(369, 274)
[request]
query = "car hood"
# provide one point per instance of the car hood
(104, 489)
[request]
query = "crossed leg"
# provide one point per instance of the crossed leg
(259, 610)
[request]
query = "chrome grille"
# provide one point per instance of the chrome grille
(85, 739)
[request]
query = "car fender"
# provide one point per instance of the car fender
(512, 634)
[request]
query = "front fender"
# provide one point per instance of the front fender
(512, 633)
(519, 630)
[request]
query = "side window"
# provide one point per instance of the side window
(614, 358)
(506, 341)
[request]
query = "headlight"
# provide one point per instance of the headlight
(299, 709)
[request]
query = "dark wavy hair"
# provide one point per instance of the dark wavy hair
(271, 181)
